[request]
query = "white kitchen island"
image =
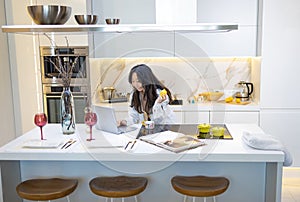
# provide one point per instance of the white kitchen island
(255, 175)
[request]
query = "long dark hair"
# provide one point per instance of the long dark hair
(150, 84)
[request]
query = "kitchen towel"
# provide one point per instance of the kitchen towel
(267, 142)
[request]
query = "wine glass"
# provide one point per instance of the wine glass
(90, 119)
(40, 119)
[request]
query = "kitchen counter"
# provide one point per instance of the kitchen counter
(205, 106)
(261, 169)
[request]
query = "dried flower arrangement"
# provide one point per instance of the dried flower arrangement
(63, 65)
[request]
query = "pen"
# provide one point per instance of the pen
(127, 145)
(133, 144)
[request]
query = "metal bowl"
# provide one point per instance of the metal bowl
(49, 14)
(86, 19)
(111, 21)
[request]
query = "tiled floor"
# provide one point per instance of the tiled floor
(291, 185)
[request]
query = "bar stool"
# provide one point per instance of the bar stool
(118, 186)
(46, 189)
(200, 186)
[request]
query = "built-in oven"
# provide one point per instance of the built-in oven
(52, 84)
(52, 99)
(53, 57)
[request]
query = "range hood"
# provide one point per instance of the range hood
(121, 28)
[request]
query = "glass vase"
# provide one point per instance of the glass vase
(67, 111)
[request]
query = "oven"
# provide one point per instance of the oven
(52, 83)
(50, 55)
(52, 96)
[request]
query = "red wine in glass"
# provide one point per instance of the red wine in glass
(90, 119)
(40, 120)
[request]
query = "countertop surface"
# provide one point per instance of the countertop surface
(111, 147)
(204, 106)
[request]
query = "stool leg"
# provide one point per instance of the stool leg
(68, 199)
(184, 198)
(204, 200)
(122, 199)
(193, 198)
(135, 197)
(214, 199)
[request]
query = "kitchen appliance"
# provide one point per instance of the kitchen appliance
(52, 99)
(108, 93)
(50, 55)
(52, 84)
(245, 89)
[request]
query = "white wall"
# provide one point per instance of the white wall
(6, 106)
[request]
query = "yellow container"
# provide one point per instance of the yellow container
(204, 128)
(218, 131)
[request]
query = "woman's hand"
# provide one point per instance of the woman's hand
(122, 123)
(161, 98)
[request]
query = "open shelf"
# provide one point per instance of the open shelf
(120, 28)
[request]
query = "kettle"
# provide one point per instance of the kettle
(245, 90)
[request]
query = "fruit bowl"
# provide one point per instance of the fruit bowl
(49, 14)
(212, 95)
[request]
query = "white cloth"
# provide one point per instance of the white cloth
(267, 142)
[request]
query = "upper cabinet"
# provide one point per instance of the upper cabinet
(240, 42)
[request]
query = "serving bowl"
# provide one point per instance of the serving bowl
(86, 19)
(49, 14)
(111, 21)
(212, 95)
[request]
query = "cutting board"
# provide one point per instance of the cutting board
(235, 103)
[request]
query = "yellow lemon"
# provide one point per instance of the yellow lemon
(238, 100)
(163, 92)
(229, 99)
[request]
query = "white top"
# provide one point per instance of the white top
(111, 147)
(161, 113)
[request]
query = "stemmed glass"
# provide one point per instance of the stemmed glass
(90, 119)
(40, 119)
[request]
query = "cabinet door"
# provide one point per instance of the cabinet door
(241, 42)
(178, 114)
(284, 125)
(179, 117)
(160, 44)
(196, 117)
(234, 117)
(280, 52)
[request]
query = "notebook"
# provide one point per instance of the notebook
(107, 121)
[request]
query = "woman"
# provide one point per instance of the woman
(146, 103)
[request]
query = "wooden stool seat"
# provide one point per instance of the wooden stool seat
(118, 187)
(200, 186)
(46, 189)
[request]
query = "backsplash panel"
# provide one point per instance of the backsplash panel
(185, 77)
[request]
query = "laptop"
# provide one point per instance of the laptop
(107, 121)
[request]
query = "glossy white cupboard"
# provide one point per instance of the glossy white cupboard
(280, 100)
(241, 42)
